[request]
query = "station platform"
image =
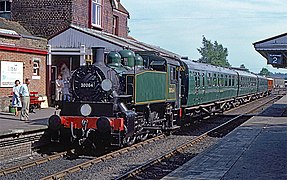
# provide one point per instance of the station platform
(255, 150)
(11, 124)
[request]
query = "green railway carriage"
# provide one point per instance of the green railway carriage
(203, 83)
(262, 86)
(247, 83)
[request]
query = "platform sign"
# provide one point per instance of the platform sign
(10, 71)
(275, 59)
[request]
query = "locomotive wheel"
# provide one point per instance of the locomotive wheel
(129, 140)
(65, 136)
(144, 136)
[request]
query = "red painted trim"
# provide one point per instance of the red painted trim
(23, 50)
(180, 113)
(117, 124)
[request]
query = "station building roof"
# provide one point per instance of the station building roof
(74, 36)
(274, 49)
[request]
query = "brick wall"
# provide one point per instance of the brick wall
(107, 17)
(46, 17)
(123, 23)
(36, 84)
(42, 17)
(107, 20)
(13, 54)
(36, 43)
(80, 13)
(21, 145)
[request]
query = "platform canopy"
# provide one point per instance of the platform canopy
(274, 49)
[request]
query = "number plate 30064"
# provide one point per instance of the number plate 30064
(87, 85)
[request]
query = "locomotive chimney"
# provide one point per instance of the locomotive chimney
(98, 56)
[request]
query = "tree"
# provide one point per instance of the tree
(264, 72)
(213, 53)
(242, 66)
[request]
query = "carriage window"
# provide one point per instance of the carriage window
(197, 79)
(173, 75)
(229, 81)
(214, 80)
(226, 81)
(203, 80)
(233, 81)
(209, 80)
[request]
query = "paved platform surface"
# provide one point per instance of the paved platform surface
(255, 150)
(11, 124)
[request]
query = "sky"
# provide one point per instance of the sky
(178, 26)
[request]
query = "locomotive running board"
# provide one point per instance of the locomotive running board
(173, 128)
(152, 128)
(160, 128)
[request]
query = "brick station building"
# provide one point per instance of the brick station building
(21, 56)
(46, 18)
(72, 27)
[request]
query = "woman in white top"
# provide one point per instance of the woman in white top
(16, 101)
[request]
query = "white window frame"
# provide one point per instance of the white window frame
(5, 6)
(96, 13)
(115, 25)
(36, 69)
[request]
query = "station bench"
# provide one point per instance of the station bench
(34, 101)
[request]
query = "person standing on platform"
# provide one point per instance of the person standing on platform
(16, 100)
(25, 97)
(59, 91)
(66, 92)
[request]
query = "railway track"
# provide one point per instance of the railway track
(21, 167)
(78, 167)
(253, 105)
(96, 160)
(219, 131)
(216, 132)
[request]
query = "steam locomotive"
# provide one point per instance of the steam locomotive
(129, 96)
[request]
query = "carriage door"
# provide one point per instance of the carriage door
(173, 89)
